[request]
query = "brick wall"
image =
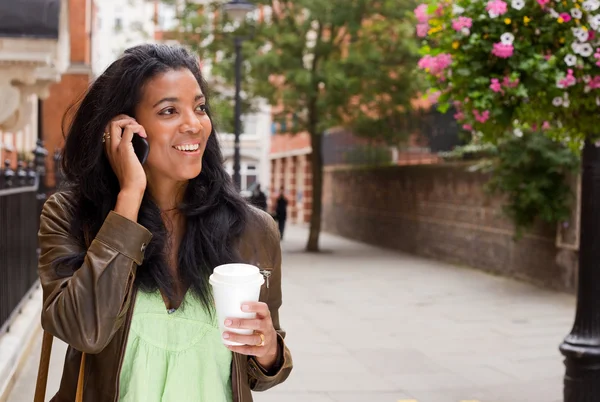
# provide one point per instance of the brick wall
(441, 212)
(62, 96)
(72, 85)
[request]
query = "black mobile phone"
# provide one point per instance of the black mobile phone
(140, 147)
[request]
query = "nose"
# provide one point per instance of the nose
(191, 122)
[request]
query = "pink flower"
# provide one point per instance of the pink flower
(565, 16)
(543, 2)
(422, 30)
(459, 116)
(595, 82)
(496, 7)
(468, 127)
(510, 84)
(481, 117)
(545, 126)
(435, 96)
(504, 51)
(436, 64)
(496, 86)
(462, 22)
(591, 34)
(421, 13)
(568, 81)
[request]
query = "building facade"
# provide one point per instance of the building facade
(34, 54)
(120, 24)
(74, 81)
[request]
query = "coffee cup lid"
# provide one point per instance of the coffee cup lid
(236, 274)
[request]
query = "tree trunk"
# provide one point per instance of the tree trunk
(317, 191)
(581, 347)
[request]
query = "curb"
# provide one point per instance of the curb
(16, 344)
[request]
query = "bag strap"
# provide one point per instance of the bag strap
(42, 378)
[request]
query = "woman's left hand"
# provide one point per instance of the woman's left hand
(264, 347)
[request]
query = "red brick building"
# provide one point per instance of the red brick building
(75, 80)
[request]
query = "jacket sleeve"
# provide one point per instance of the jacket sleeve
(86, 306)
(260, 380)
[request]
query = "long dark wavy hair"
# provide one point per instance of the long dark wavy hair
(216, 214)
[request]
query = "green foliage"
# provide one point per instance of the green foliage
(370, 155)
(526, 85)
(470, 152)
(532, 172)
(327, 63)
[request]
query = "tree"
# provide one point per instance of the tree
(325, 63)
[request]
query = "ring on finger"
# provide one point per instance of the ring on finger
(105, 136)
(262, 340)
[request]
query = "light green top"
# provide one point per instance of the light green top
(174, 357)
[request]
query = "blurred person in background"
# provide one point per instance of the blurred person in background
(258, 198)
(127, 249)
(281, 211)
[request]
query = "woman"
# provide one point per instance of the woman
(127, 249)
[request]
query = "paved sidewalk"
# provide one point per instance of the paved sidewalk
(372, 325)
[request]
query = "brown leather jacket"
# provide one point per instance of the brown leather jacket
(90, 309)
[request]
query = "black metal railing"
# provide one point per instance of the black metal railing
(22, 194)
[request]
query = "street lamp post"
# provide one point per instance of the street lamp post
(581, 347)
(237, 10)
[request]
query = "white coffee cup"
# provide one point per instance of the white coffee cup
(233, 285)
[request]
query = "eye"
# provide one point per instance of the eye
(167, 111)
(202, 108)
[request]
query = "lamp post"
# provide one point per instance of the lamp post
(237, 10)
(581, 347)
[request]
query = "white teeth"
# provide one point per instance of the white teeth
(188, 147)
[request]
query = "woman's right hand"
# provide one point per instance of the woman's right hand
(126, 165)
(121, 154)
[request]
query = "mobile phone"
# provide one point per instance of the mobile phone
(140, 147)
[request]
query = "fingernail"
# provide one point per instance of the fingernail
(245, 307)
(226, 335)
(228, 323)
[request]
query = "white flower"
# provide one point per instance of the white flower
(507, 38)
(553, 13)
(518, 132)
(581, 34)
(557, 101)
(570, 60)
(591, 5)
(587, 89)
(465, 31)
(587, 78)
(595, 20)
(492, 14)
(566, 103)
(586, 50)
(597, 101)
(457, 9)
(576, 46)
(576, 13)
(517, 4)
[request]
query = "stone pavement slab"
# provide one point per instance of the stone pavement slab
(372, 325)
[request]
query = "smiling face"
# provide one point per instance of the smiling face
(173, 112)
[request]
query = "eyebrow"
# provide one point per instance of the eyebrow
(174, 100)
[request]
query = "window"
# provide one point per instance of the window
(250, 180)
